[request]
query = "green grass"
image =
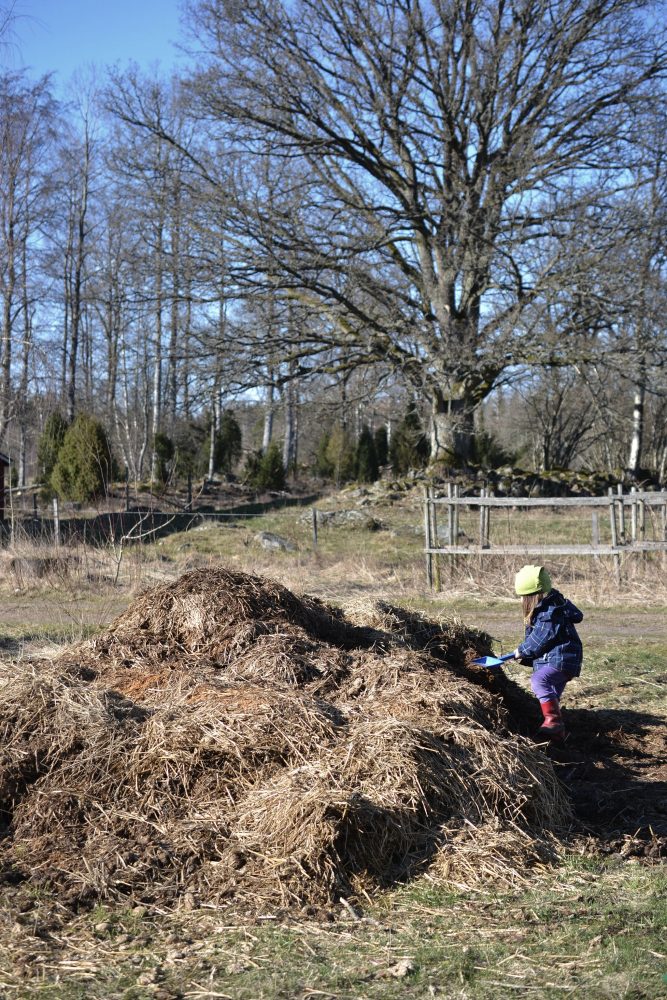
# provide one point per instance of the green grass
(595, 930)
(626, 673)
(18, 634)
(402, 538)
(550, 525)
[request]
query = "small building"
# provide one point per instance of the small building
(4, 464)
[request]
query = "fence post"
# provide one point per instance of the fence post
(427, 536)
(482, 518)
(457, 493)
(614, 537)
(314, 527)
(56, 522)
(633, 512)
(436, 542)
(621, 514)
(450, 515)
(450, 534)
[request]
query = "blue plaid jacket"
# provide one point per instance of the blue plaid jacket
(552, 637)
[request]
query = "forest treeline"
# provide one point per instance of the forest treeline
(348, 227)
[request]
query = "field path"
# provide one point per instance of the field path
(599, 623)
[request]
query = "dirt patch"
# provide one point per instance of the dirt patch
(615, 770)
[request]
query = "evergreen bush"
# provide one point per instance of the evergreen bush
(228, 443)
(164, 450)
(366, 457)
(381, 439)
(85, 464)
(49, 445)
(342, 456)
(323, 466)
(265, 470)
(409, 448)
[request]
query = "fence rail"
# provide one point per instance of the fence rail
(628, 499)
(627, 526)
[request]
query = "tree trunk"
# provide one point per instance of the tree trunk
(215, 426)
(290, 442)
(77, 280)
(25, 366)
(634, 460)
(452, 430)
(9, 290)
(187, 332)
(156, 402)
(268, 416)
(172, 363)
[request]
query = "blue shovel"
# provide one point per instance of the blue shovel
(493, 661)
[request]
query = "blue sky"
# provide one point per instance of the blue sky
(65, 35)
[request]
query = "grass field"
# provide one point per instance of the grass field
(595, 926)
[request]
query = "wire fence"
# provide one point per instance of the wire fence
(67, 524)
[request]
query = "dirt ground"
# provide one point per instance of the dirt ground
(600, 623)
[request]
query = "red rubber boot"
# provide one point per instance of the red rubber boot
(552, 728)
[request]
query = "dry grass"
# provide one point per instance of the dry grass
(225, 740)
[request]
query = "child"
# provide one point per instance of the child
(552, 645)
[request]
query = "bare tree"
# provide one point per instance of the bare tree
(558, 419)
(439, 142)
(27, 114)
(77, 156)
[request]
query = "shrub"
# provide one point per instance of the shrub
(265, 470)
(164, 450)
(189, 441)
(366, 458)
(85, 464)
(228, 443)
(323, 466)
(409, 448)
(341, 453)
(488, 452)
(381, 439)
(49, 444)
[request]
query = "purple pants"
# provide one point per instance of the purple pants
(548, 682)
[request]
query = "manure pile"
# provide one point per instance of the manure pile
(226, 740)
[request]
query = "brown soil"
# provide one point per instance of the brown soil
(613, 765)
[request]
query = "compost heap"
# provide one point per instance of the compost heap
(225, 740)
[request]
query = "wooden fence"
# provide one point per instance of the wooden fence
(627, 521)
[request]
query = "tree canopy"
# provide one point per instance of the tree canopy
(430, 161)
